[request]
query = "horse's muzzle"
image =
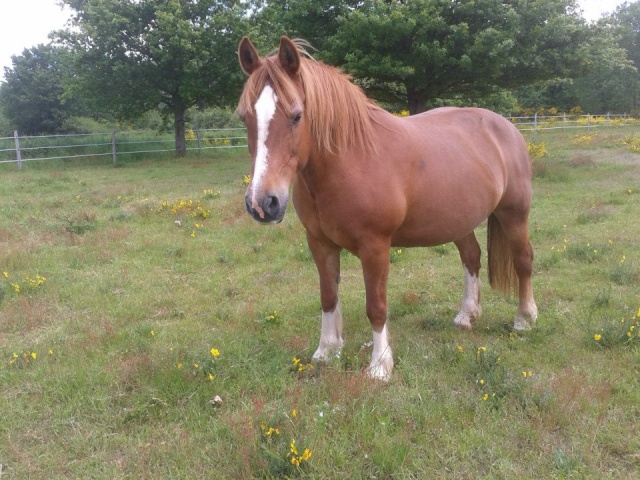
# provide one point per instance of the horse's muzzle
(267, 209)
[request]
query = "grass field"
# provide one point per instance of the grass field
(150, 329)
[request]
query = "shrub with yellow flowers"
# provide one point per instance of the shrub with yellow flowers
(271, 317)
(396, 253)
(632, 142)
(537, 150)
(23, 359)
(203, 366)
(27, 284)
(617, 333)
(280, 450)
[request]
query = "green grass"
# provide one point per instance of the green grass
(106, 368)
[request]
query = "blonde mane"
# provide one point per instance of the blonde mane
(338, 111)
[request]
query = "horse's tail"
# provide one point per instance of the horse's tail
(502, 273)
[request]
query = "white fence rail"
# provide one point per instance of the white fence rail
(567, 121)
(19, 149)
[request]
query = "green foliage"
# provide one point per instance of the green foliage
(214, 117)
(134, 56)
(6, 130)
(611, 82)
(438, 49)
(33, 96)
(314, 20)
(626, 22)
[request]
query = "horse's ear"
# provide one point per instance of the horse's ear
(289, 56)
(248, 56)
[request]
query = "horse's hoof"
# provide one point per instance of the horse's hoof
(463, 322)
(521, 325)
(525, 321)
(381, 370)
(326, 355)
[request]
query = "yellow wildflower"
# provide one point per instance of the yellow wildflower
(597, 337)
(215, 352)
(306, 455)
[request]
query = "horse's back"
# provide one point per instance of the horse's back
(475, 134)
(469, 121)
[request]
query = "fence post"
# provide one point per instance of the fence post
(607, 119)
(535, 122)
(198, 139)
(564, 121)
(16, 138)
(113, 145)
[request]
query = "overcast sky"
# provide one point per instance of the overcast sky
(26, 23)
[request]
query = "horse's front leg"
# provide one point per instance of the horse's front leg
(327, 258)
(375, 266)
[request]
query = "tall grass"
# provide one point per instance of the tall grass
(156, 331)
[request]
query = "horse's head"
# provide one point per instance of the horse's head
(272, 108)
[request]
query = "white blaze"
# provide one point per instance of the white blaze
(265, 110)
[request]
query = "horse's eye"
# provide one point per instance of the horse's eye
(296, 119)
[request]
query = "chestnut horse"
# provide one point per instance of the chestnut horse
(365, 180)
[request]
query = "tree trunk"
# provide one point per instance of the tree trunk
(181, 142)
(416, 101)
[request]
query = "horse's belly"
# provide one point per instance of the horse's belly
(444, 220)
(429, 234)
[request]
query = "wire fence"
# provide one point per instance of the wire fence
(569, 121)
(19, 149)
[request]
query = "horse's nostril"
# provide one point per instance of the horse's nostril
(271, 206)
(268, 209)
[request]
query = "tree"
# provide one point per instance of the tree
(313, 20)
(444, 49)
(139, 55)
(626, 21)
(33, 94)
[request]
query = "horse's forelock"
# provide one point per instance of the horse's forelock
(273, 74)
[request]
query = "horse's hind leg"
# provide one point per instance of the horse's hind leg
(523, 262)
(327, 258)
(516, 231)
(470, 256)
